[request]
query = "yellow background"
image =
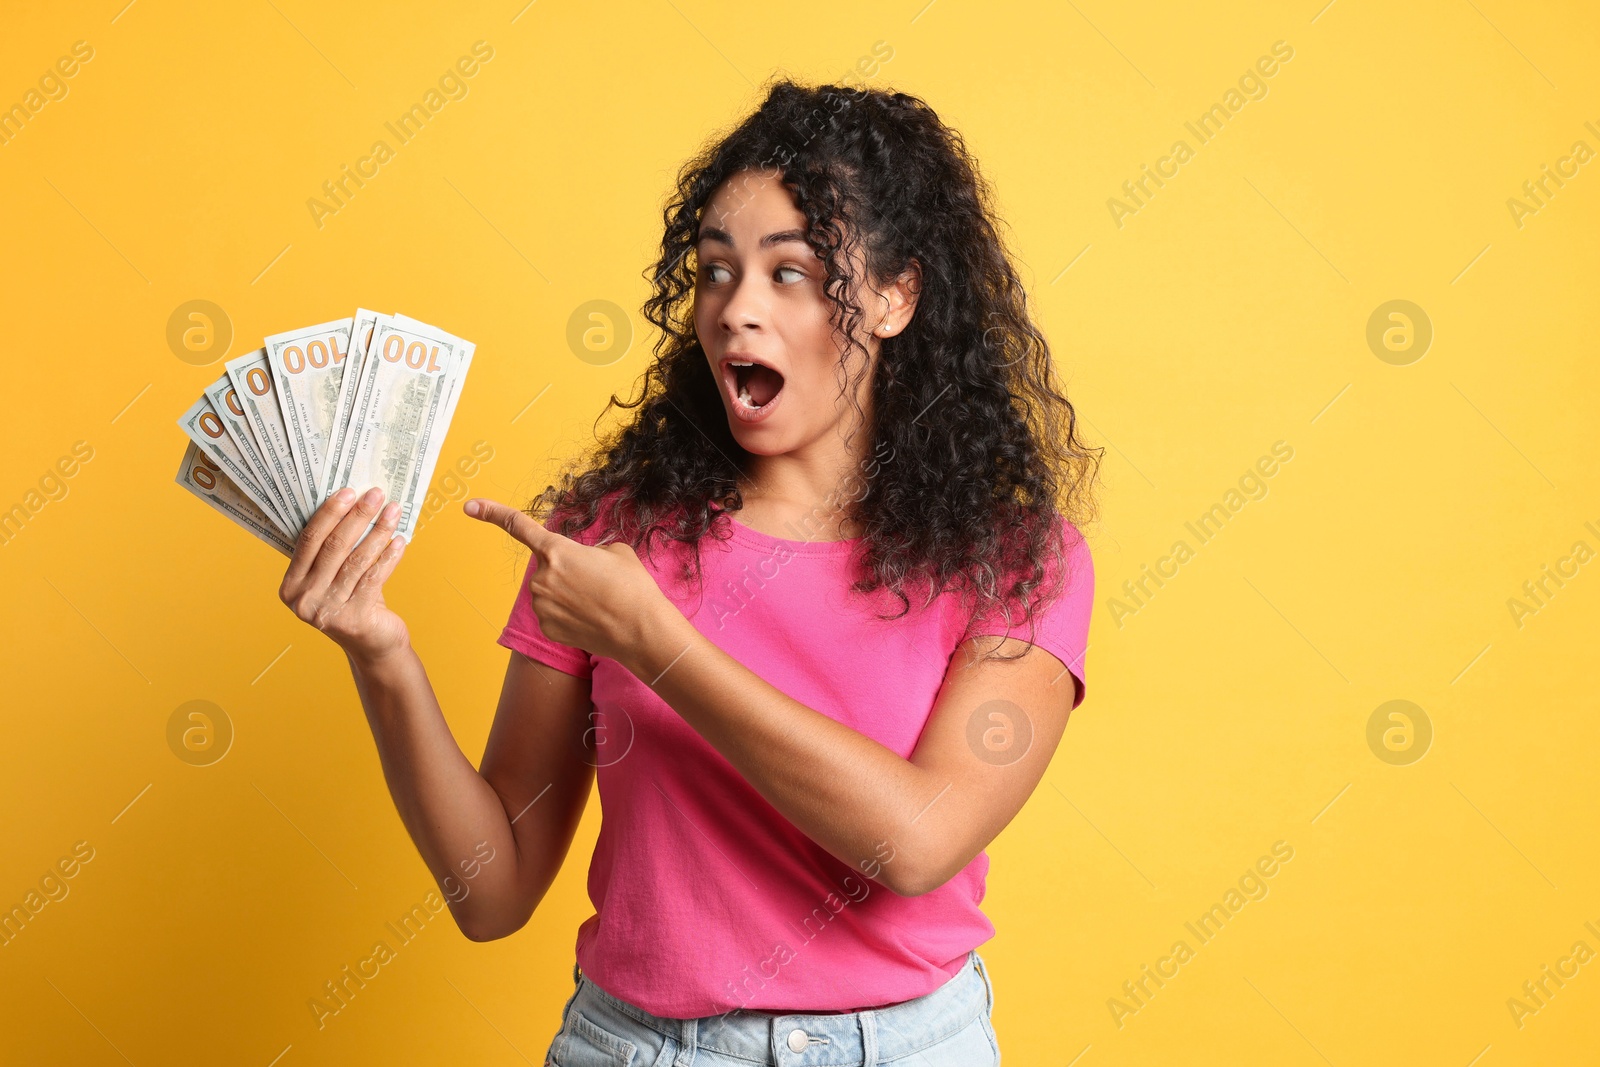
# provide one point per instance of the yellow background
(1229, 313)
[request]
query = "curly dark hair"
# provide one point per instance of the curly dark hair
(978, 450)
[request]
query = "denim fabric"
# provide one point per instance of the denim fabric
(948, 1027)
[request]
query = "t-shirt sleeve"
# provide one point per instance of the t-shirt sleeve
(1061, 626)
(523, 634)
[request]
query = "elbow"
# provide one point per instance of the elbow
(481, 926)
(481, 934)
(492, 911)
(913, 882)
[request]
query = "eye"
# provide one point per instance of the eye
(708, 268)
(794, 270)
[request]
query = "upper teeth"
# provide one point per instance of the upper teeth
(737, 363)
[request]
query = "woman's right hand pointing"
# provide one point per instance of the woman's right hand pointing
(336, 585)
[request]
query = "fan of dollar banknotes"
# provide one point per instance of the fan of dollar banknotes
(360, 402)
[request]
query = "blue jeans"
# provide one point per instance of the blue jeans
(948, 1027)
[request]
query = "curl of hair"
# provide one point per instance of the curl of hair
(975, 450)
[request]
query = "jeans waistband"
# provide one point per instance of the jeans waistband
(868, 1036)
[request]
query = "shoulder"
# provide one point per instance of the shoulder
(1064, 593)
(599, 529)
(1061, 605)
(1080, 561)
(1067, 561)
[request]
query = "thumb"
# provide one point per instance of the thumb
(514, 522)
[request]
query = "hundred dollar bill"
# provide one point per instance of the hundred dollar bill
(252, 383)
(206, 429)
(207, 481)
(308, 365)
(359, 337)
(450, 411)
(455, 395)
(410, 383)
(225, 402)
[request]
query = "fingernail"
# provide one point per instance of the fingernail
(472, 507)
(391, 512)
(373, 496)
(345, 495)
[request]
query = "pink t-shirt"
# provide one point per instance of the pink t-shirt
(706, 897)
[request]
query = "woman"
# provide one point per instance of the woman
(849, 463)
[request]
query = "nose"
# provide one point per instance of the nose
(745, 307)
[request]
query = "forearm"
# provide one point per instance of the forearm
(447, 807)
(854, 797)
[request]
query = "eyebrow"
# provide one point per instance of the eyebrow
(712, 233)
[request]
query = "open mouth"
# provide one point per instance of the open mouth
(753, 386)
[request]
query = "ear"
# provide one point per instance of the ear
(900, 300)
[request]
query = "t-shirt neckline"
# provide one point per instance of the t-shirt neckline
(753, 538)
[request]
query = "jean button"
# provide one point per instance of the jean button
(797, 1040)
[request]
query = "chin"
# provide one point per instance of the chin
(761, 440)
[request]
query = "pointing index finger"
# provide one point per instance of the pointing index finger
(512, 521)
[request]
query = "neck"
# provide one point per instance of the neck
(812, 490)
